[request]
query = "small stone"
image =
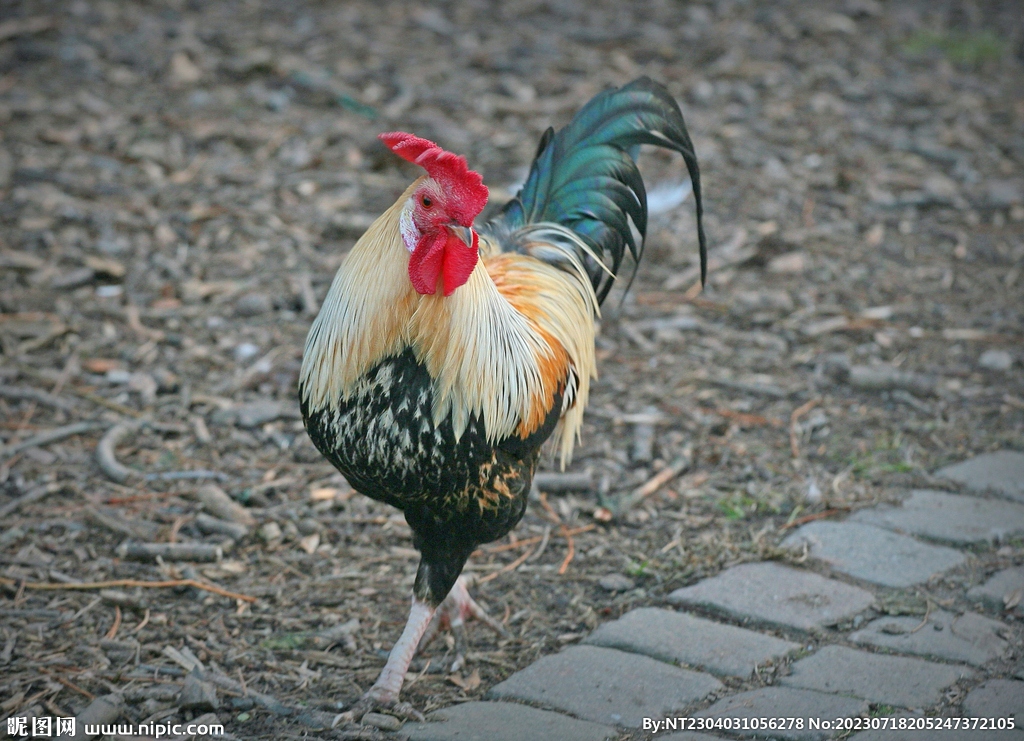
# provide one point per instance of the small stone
(382, 721)
(998, 360)
(606, 686)
(790, 262)
(957, 519)
(183, 70)
(197, 694)
(144, 385)
(1004, 193)
(1002, 471)
(775, 170)
(244, 351)
(874, 554)
(997, 698)
(970, 638)
(678, 637)
(109, 290)
(270, 531)
(253, 304)
(256, 413)
(117, 376)
(504, 721)
(786, 702)
(998, 591)
(893, 680)
(776, 594)
(616, 583)
(886, 378)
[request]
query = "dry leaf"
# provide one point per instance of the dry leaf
(224, 569)
(468, 684)
(106, 265)
(309, 543)
(1013, 598)
(100, 365)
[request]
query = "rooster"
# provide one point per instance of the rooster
(446, 353)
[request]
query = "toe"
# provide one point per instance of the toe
(374, 701)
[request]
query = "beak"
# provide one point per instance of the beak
(464, 233)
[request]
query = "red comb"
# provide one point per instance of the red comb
(450, 170)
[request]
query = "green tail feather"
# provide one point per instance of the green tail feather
(585, 178)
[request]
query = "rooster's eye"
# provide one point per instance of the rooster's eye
(427, 203)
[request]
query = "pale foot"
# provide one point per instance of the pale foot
(384, 693)
(453, 613)
(379, 699)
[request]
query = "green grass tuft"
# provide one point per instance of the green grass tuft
(969, 49)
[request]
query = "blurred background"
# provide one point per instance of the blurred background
(180, 180)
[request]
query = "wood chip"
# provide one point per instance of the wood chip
(218, 503)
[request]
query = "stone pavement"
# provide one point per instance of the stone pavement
(817, 647)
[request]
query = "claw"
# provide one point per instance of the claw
(377, 699)
(452, 614)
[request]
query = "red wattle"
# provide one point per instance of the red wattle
(425, 263)
(445, 255)
(459, 261)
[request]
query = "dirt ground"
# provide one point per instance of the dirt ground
(179, 181)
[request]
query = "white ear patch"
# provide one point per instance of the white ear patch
(410, 234)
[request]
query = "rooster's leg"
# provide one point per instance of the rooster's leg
(384, 693)
(453, 612)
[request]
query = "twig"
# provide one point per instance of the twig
(748, 420)
(209, 524)
(758, 389)
(70, 685)
(505, 569)
(105, 457)
(50, 436)
(552, 515)
(36, 395)
(26, 26)
(218, 503)
(543, 544)
(136, 325)
(127, 583)
(117, 624)
(564, 481)
(87, 395)
(669, 472)
(815, 516)
(116, 471)
(927, 613)
(143, 624)
(268, 701)
(105, 402)
(570, 554)
(531, 540)
(32, 496)
(511, 546)
(148, 496)
(203, 552)
(794, 436)
(179, 522)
